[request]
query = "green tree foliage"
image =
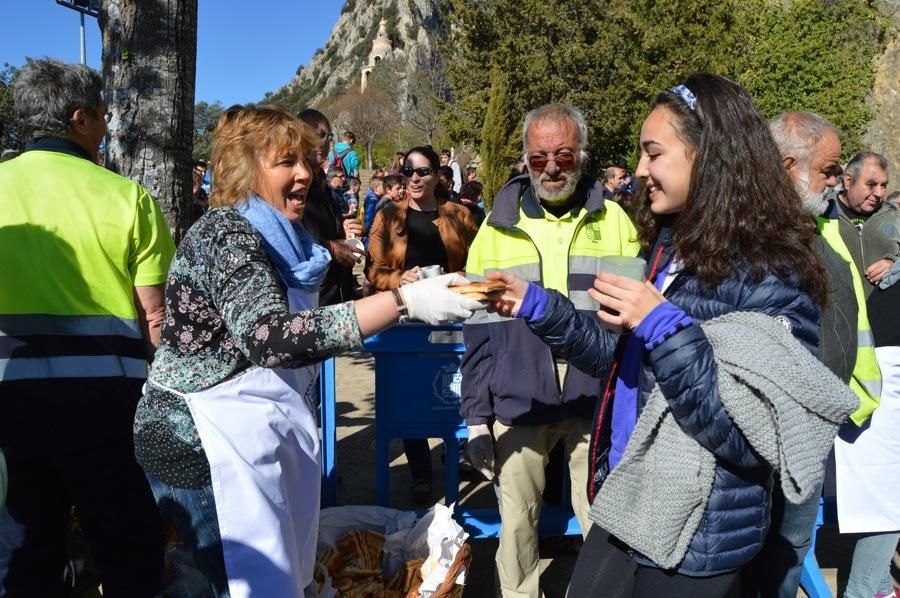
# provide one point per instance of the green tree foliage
(206, 116)
(817, 56)
(498, 143)
(470, 83)
(610, 57)
(10, 135)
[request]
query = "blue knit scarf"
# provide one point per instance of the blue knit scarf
(301, 262)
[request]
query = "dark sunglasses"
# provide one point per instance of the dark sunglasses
(563, 161)
(422, 171)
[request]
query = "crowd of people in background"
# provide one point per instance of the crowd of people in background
(702, 407)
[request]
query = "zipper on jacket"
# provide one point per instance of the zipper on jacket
(608, 391)
(516, 229)
(859, 237)
(578, 227)
(862, 248)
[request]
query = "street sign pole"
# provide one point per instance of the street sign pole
(83, 52)
(84, 7)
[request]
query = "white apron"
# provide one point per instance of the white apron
(868, 471)
(260, 435)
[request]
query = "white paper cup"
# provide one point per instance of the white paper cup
(356, 244)
(621, 265)
(430, 272)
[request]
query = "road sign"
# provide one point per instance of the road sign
(88, 7)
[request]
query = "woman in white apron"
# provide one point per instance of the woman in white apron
(867, 463)
(226, 431)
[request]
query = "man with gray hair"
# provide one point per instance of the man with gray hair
(550, 226)
(84, 255)
(613, 177)
(337, 181)
(810, 151)
(869, 225)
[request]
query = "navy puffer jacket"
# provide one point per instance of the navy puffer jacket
(734, 525)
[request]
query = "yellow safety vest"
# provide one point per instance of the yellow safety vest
(866, 379)
(558, 253)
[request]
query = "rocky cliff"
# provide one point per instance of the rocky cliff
(883, 135)
(410, 24)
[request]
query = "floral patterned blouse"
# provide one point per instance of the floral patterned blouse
(225, 312)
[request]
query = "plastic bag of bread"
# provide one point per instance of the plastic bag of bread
(375, 552)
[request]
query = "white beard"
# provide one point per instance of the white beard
(559, 197)
(814, 203)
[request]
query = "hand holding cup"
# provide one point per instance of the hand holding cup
(631, 300)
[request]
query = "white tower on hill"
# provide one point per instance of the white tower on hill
(381, 49)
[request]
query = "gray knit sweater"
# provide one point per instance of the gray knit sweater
(787, 405)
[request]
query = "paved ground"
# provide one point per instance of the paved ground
(356, 485)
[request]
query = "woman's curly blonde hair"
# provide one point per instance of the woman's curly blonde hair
(243, 136)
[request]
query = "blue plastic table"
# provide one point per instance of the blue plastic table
(328, 421)
(417, 394)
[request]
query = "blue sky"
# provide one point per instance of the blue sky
(243, 49)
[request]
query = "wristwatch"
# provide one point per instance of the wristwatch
(401, 306)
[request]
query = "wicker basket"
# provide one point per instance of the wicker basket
(450, 589)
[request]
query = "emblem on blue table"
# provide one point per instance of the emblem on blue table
(446, 385)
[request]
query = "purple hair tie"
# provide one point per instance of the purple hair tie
(687, 95)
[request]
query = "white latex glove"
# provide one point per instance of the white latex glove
(430, 300)
(480, 449)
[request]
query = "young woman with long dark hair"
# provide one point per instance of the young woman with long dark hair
(679, 479)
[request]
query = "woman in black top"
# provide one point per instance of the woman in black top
(423, 230)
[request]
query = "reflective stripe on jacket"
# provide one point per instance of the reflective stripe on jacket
(866, 379)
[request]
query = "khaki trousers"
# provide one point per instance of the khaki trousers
(521, 453)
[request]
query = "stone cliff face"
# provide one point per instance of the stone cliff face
(883, 135)
(411, 24)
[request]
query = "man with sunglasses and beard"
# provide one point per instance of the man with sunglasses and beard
(550, 226)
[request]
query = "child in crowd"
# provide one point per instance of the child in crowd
(370, 201)
(471, 197)
(393, 192)
(351, 196)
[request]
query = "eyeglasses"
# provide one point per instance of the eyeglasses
(326, 136)
(563, 161)
(422, 171)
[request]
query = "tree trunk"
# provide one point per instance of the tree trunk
(149, 66)
(369, 147)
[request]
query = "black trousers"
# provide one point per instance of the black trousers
(68, 443)
(604, 569)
